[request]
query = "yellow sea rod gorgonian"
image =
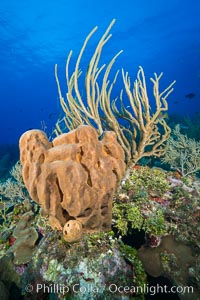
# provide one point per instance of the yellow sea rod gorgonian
(144, 132)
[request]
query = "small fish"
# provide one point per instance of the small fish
(190, 95)
(51, 115)
(163, 116)
(183, 126)
(177, 174)
(11, 240)
(137, 167)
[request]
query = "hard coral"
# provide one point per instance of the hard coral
(74, 177)
(26, 237)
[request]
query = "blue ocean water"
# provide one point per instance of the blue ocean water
(161, 36)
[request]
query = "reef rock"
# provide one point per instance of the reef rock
(93, 268)
(74, 176)
(171, 259)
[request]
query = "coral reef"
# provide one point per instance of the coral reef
(74, 177)
(171, 259)
(150, 200)
(89, 269)
(13, 189)
(157, 202)
(166, 208)
(133, 203)
(183, 153)
(12, 194)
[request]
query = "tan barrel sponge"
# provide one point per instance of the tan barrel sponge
(73, 177)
